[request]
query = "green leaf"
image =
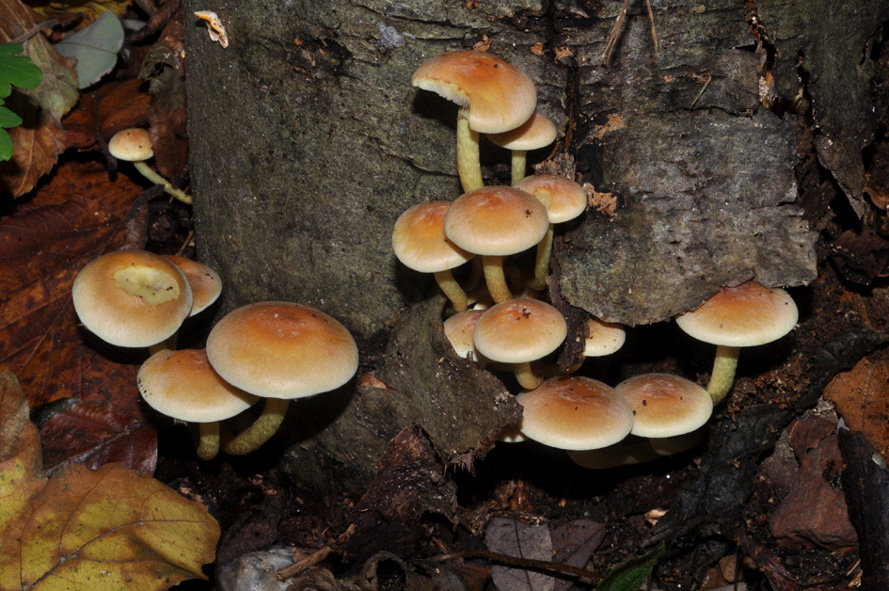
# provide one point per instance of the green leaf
(630, 575)
(16, 70)
(5, 145)
(95, 48)
(8, 118)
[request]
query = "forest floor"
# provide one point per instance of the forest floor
(767, 499)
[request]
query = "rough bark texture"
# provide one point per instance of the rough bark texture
(307, 142)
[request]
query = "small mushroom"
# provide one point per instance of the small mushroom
(665, 405)
(279, 351)
(419, 242)
(206, 286)
(742, 316)
(496, 222)
(535, 133)
(183, 385)
(493, 97)
(134, 145)
(132, 299)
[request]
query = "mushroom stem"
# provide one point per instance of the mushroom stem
(541, 261)
(519, 164)
(468, 161)
(452, 289)
(262, 429)
(526, 376)
(723, 375)
(208, 442)
(495, 279)
(157, 179)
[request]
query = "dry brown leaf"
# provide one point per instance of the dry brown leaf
(861, 396)
(111, 107)
(78, 215)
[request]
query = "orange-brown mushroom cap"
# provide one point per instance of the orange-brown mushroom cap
(499, 96)
(282, 350)
(206, 286)
(419, 240)
(665, 405)
(575, 413)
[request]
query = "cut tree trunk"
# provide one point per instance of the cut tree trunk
(307, 142)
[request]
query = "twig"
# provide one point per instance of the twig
(304, 562)
(616, 30)
(525, 563)
(703, 88)
(44, 25)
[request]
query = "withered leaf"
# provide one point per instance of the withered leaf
(862, 399)
(514, 538)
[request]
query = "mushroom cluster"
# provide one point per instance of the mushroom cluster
(277, 351)
(511, 328)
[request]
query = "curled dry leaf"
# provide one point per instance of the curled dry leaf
(78, 529)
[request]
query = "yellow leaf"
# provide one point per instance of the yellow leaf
(113, 528)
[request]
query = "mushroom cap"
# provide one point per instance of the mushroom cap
(519, 330)
(183, 385)
(282, 350)
(459, 329)
(742, 316)
(206, 285)
(665, 405)
(131, 298)
(575, 413)
(496, 221)
(419, 240)
(567, 199)
(536, 132)
(603, 338)
(132, 144)
(499, 96)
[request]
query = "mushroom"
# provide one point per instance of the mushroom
(206, 286)
(458, 329)
(665, 405)
(183, 385)
(493, 97)
(496, 222)
(537, 132)
(602, 338)
(419, 242)
(575, 413)
(564, 200)
(742, 316)
(132, 299)
(635, 450)
(279, 351)
(519, 332)
(134, 145)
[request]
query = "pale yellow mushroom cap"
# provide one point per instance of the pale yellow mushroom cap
(665, 405)
(536, 132)
(206, 286)
(519, 330)
(132, 145)
(419, 240)
(564, 199)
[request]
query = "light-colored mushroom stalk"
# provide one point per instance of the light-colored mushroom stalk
(723, 376)
(452, 290)
(262, 429)
(208, 440)
(519, 162)
(468, 160)
(526, 376)
(157, 179)
(495, 278)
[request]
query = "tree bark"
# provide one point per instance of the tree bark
(307, 142)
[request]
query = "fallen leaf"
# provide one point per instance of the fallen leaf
(105, 111)
(95, 433)
(40, 140)
(861, 396)
(574, 544)
(94, 48)
(514, 538)
(113, 528)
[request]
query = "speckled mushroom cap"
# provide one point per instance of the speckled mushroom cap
(500, 97)
(282, 350)
(665, 405)
(742, 316)
(496, 220)
(131, 298)
(183, 385)
(564, 199)
(575, 413)
(206, 286)
(536, 132)
(419, 240)
(132, 145)
(519, 330)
